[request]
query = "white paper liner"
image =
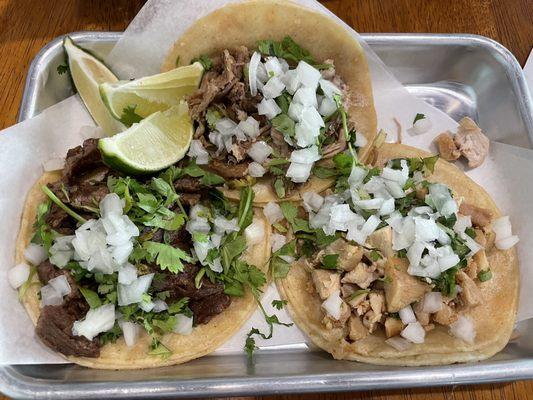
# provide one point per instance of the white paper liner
(506, 175)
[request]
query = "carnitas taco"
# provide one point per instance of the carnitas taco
(280, 82)
(137, 272)
(406, 263)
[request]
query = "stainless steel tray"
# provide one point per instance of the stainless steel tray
(462, 75)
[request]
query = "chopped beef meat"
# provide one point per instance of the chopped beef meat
(207, 307)
(84, 163)
(190, 199)
(447, 148)
(54, 328)
(472, 142)
(480, 216)
(87, 195)
(229, 171)
(188, 185)
(279, 144)
(46, 271)
(60, 221)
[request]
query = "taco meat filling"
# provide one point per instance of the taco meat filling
(127, 254)
(258, 114)
(389, 251)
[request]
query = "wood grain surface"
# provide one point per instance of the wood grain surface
(27, 25)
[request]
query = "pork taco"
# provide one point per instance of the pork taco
(280, 82)
(406, 263)
(137, 272)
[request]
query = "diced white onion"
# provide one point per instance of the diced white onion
(269, 108)
(329, 88)
(507, 243)
(96, 321)
(299, 173)
(407, 315)
(464, 329)
(306, 96)
(183, 325)
(35, 254)
(290, 79)
(132, 293)
(295, 111)
(442, 199)
(60, 284)
(277, 241)
(127, 274)
(17, 275)
(306, 134)
(398, 343)
(146, 306)
(256, 170)
(305, 156)
(273, 67)
(308, 75)
(432, 302)
(273, 212)
(110, 204)
(259, 151)
(426, 230)
(255, 232)
(273, 88)
(54, 164)
(198, 151)
(216, 265)
(360, 140)
(387, 207)
(414, 332)
(328, 107)
(369, 204)
(223, 225)
(421, 126)
(50, 296)
(250, 127)
(130, 331)
(311, 117)
(332, 305)
(312, 201)
(159, 305)
(463, 222)
(252, 72)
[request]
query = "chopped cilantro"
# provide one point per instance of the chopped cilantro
(91, 297)
(284, 102)
(212, 116)
(284, 124)
(206, 62)
(287, 49)
(167, 257)
(279, 187)
(484, 275)
(43, 233)
(179, 306)
(62, 69)
(129, 116)
(159, 349)
(51, 195)
(111, 335)
(278, 265)
(418, 117)
(330, 261)
(374, 255)
(279, 304)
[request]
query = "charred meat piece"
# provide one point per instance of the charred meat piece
(207, 307)
(84, 163)
(87, 194)
(188, 185)
(447, 147)
(179, 238)
(472, 142)
(54, 328)
(229, 171)
(190, 199)
(60, 221)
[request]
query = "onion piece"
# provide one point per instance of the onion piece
(273, 212)
(327, 108)
(269, 108)
(127, 274)
(299, 173)
(306, 96)
(159, 305)
(507, 243)
(50, 296)
(312, 201)
(290, 79)
(398, 343)
(295, 111)
(308, 75)
(421, 126)
(273, 66)
(255, 232)
(54, 164)
(18, 275)
(305, 156)
(223, 225)
(277, 241)
(306, 134)
(130, 331)
(414, 332)
(387, 207)
(273, 88)
(407, 315)
(110, 204)
(198, 151)
(183, 325)
(332, 305)
(256, 170)
(96, 321)
(370, 204)
(252, 72)
(250, 127)
(60, 284)
(464, 329)
(502, 227)
(35, 254)
(132, 293)
(259, 151)
(432, 302)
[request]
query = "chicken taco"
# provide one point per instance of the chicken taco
(137, 272)
(274, 98)
(406, 263)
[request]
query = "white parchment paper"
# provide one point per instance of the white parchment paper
(506, 175)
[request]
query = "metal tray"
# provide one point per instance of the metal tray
(460, 74)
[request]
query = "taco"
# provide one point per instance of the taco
(135, 272)
(407, 263)
(280, 82)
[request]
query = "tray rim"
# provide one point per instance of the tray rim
(497, 371)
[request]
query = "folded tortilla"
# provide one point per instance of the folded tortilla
(245, 23)
(493, 319)
(203, 340)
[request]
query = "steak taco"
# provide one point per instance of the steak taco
(138, 272)
(406, 263)
(275, 96)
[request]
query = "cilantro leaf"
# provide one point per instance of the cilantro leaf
(418, 117)
(167, 257)
(289, 210)
(330, 261)
(165, 325)
(159, 349)
(206, 62)
(246, 212)
(91, 297)
(279, 303)
(62, 69)
(484, 275)
(284, 124)
(43, 233)
(129, 116)
(287, 49)
(179, 306)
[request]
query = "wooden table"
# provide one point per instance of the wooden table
(27, 25)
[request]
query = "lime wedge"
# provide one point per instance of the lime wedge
(156, 142)
(145, 96)
(87, 73)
